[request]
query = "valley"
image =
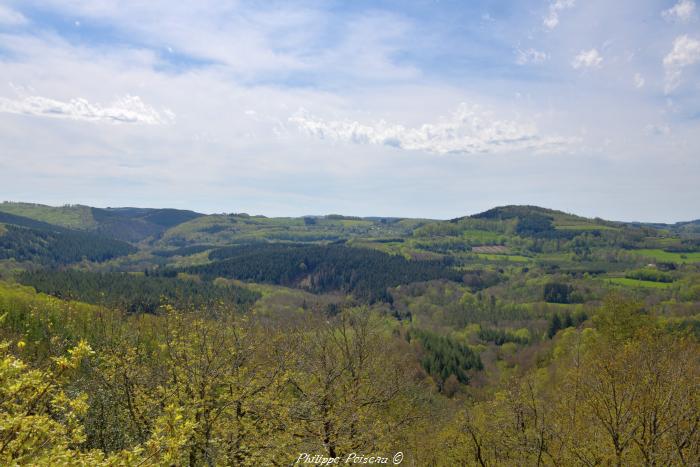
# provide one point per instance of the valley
(451, 317)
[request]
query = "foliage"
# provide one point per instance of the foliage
(631, 400)
(444, 357)
(648, 274)
(533, 224)
(181, 389)
(183, 251)
(500, 336)
(566, 320)
(555, 292)
(40, 422)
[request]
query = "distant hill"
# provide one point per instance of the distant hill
(127, 224)
(565, 220)
(691, 227)
(684, 229)
(25, 239)
(163, 217)
(73, 216)
(517, 211)
(558, 220)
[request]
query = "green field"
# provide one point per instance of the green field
(482, 236)
(584, 226)
(494, 257)
(665, 256)
(637, 283)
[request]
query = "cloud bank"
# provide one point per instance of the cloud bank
(469, 130)
(128, 109)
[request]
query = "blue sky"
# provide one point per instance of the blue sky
(424, 109)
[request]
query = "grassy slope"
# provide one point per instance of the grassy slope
(660, 255)
(74, 217)
(499, 257)
(625, 281)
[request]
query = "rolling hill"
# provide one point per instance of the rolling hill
(127, 224)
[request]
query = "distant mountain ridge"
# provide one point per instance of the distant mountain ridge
(134, 224)
(127, 224)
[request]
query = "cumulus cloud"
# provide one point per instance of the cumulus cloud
(551, 21)
(657, 130)
(638, 81)
(468, 130)
(11, 17)
(587, 59)
(530, 55)
(128, 109)
(685, 52)
(681, 11)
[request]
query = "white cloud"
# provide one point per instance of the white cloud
(685, 52)
(551, 21)
(129, 109)
(657, 130)
(530, 56)
(587, 59)
(468, 130)
(681, 11)
(638, 81)
(11, 17)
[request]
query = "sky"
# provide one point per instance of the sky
(433, 109)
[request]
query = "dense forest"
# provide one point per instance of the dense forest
(58, 247)
(322, 268)
(518, 336)
(136, 293)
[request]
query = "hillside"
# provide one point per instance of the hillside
(69, 216)
(128, 224)
(27, 240)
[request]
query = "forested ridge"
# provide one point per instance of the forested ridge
(322, 268)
